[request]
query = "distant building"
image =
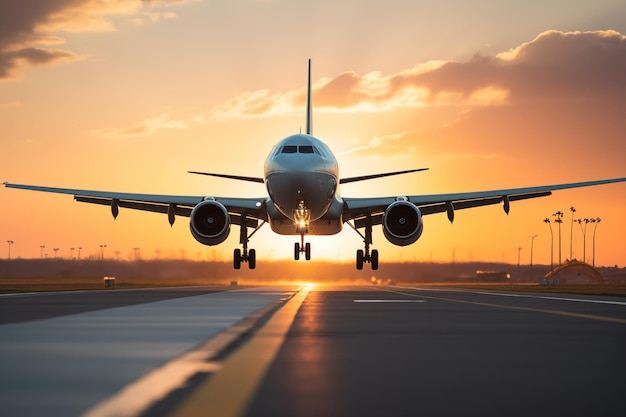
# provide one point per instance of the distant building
(492, 276)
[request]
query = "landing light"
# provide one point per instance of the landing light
(302, 217)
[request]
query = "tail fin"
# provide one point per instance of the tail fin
(309, 110)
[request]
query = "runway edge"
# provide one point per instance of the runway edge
(229, 392)
(161, 391)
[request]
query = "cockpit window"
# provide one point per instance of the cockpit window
(299, 149)
(305, 149)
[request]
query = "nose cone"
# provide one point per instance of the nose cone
(314, 189)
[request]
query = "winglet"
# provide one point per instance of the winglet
(309, 109)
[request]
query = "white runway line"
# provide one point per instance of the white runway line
(544, 297)
(390, 301)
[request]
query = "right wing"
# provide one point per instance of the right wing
(252, 208)
(374, 176)
(358, 209)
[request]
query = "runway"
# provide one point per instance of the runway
(321, 351)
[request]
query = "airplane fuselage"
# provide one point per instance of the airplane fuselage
(302, 176)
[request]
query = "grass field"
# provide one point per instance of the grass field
(16, 285)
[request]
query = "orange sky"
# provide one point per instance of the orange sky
(128, 95)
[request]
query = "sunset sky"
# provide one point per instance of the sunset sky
(128, 95)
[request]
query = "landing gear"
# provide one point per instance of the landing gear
(246, 255)
(249, 257)
(363, 256)
(302, 248)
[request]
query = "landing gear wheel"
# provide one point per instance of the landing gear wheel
(359, 259)
(245, 255)
(374, 259)
(237, 259)
(296, 251)
(307, 251)
(252, 259)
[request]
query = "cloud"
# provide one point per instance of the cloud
(553, 66)
(385, 142)
(470, 156)
(10, 104)
(28, 27)
(143, 128)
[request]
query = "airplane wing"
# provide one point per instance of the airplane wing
(374, 176)
(358, 209)
(173, 205)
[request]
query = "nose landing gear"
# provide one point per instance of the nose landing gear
(302, 218)
(302, 248)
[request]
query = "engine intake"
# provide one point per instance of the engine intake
(209, 223)
(402, 223)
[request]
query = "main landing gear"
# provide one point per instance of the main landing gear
(248, 256)
(299, 248)
(363, 255)
(245, 255)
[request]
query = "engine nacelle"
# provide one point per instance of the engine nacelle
(402, 223)
(209, 222)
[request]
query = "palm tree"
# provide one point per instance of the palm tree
(596, 221)
(571, 233)
(584, 230)
(547, 220)
(559, 216)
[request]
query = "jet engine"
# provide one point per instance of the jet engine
(402, 223)
(209, 222)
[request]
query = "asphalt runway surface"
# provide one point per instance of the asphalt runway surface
(313, 351)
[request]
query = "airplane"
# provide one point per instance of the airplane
(301, 176)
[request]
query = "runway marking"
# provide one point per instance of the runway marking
(545, 297)
(43, 293)
(536, 310)
(229, 392)
(390, 301)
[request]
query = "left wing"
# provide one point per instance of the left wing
(358, 208)
(173, 205)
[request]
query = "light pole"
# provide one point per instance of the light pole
(547, 220)
(532, 242)
(595, 226)
(571, 233)
(72, 253)
(102, 251)
(10, 242)
(519, 253)
(559, 216)
(79, 249)
(42, 247)
(55, 252)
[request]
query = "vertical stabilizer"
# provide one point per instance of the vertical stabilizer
(309, 110)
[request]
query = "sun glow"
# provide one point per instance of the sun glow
(136, 118)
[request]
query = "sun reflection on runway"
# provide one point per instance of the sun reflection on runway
(312, 381)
